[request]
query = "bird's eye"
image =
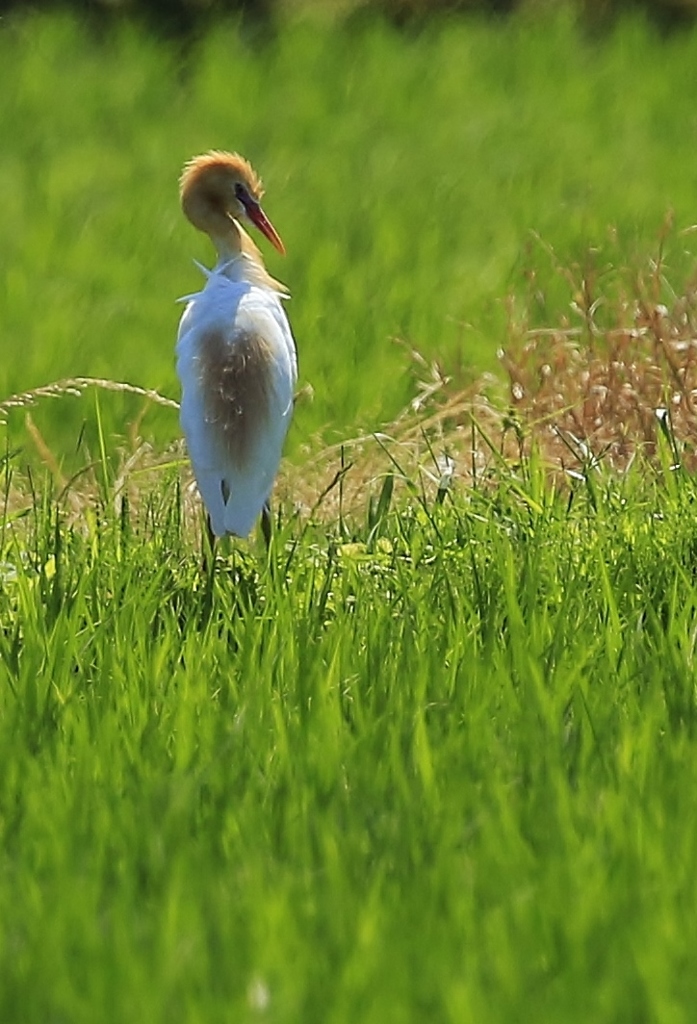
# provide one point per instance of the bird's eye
(240, 192)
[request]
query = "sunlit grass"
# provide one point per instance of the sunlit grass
(440, 769)
(432, 757)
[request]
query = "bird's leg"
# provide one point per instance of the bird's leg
(209, 540)
(267, 524)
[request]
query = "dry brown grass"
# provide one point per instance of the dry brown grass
(594, 390)
(599, 382)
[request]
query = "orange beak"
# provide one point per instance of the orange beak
(260, 220)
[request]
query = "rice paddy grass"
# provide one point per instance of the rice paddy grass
(432, 756)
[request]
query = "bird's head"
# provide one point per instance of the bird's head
(218, 187)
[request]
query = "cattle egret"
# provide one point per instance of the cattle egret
(236, 357)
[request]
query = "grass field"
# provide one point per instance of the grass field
(426, 760)
(407, 177)
(445, 772)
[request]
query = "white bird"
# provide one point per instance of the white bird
(236, 357)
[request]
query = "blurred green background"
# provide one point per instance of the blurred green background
(409, 171)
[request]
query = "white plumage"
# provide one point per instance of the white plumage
(236, 357)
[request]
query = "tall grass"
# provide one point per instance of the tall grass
(441, 771)
(432, 756)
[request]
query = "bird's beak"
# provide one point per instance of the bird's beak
(260, 220)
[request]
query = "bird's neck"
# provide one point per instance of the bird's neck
(226, 236)
(240, 259)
